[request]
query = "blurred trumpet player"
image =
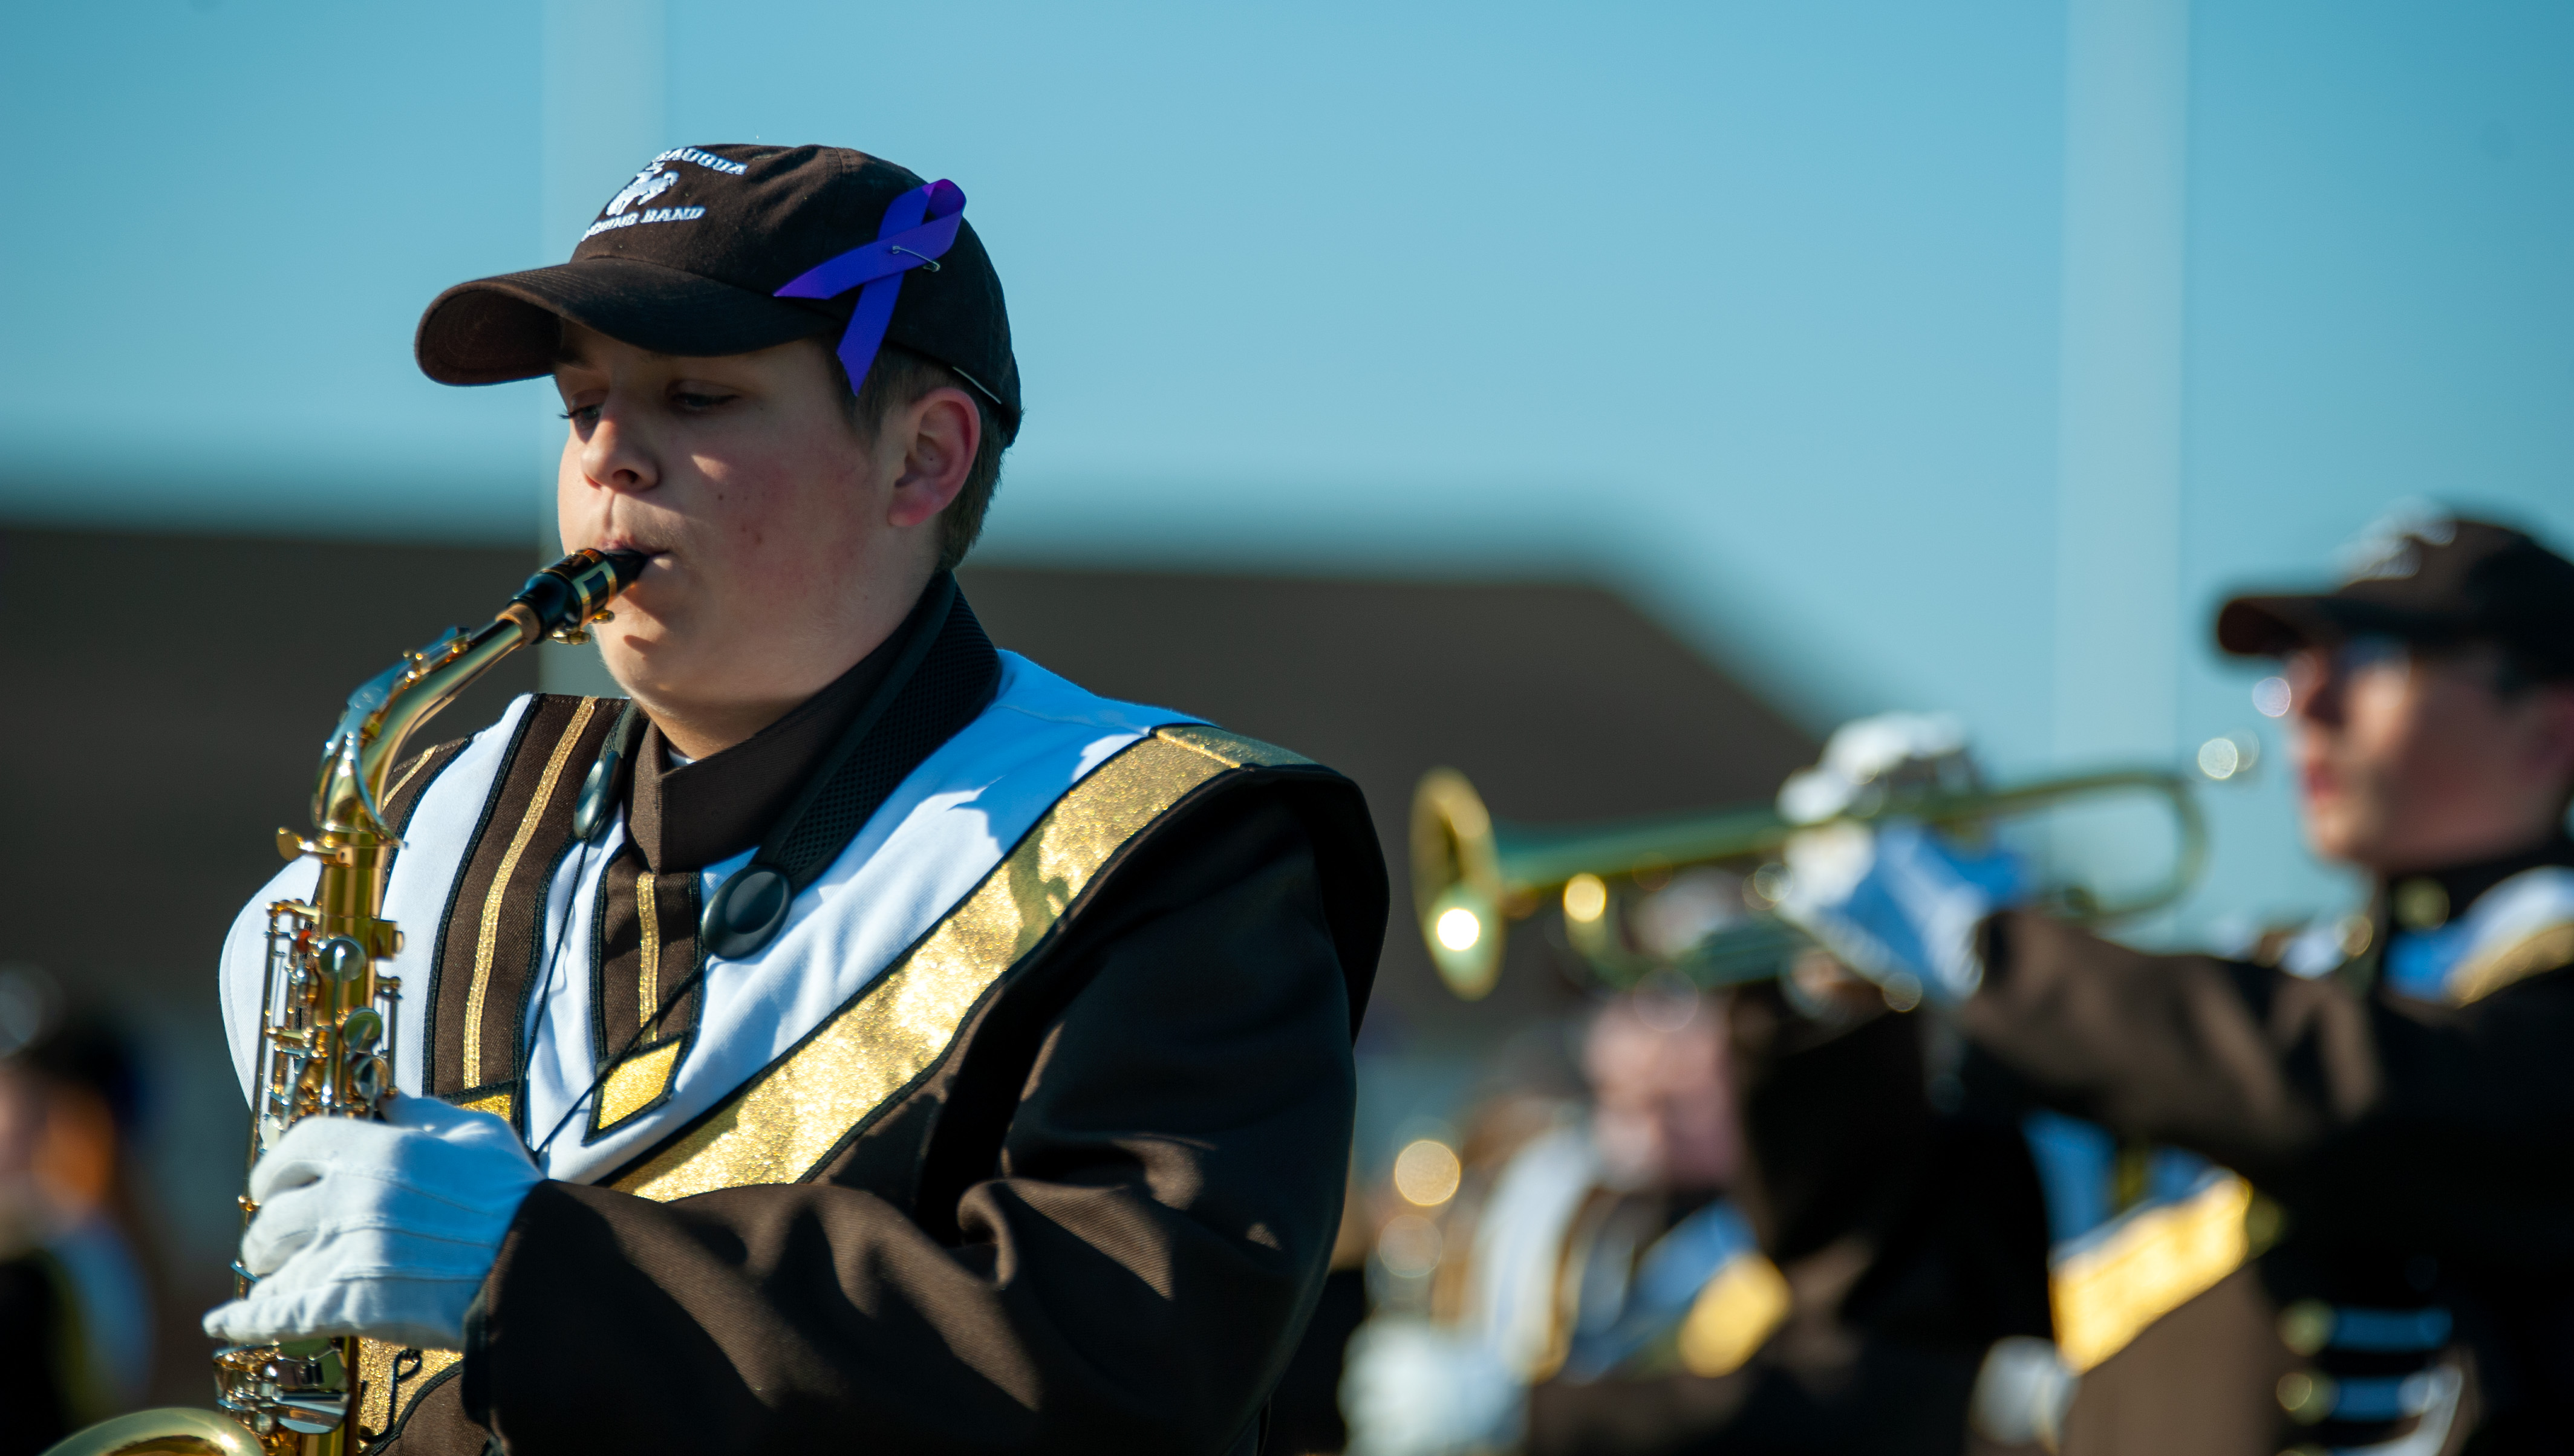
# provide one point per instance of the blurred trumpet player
(2381, 1257)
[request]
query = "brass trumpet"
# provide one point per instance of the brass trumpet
(1473, 874)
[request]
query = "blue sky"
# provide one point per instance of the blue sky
(1753, 310)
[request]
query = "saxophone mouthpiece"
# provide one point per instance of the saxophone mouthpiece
(574, 591)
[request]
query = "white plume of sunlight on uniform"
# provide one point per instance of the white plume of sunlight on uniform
(1755, 310)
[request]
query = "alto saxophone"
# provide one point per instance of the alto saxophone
(327, 1035)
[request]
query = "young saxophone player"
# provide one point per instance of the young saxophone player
(861, 1032)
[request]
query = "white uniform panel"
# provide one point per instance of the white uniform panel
(932, 840)
(415, 900)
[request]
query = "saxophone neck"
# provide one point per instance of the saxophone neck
(383, 714)
(385, 710)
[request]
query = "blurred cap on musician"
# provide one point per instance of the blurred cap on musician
(2431, 694)
(2430, 580)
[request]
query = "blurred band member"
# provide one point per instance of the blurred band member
(76, 1336)
(1581, 1241)
(1905, 1241)
(1838, 1296)
(2390, 1258)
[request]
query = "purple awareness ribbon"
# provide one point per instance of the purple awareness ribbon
(918, 228)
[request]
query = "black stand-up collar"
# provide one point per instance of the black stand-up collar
(696, 814)
(2460, 886)
(798, 791)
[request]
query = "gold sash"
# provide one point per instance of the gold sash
(2151, 1262)
(782, 1123)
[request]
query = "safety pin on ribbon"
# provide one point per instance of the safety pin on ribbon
(919, 226)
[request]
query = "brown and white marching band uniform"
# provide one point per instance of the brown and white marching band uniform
(2402, 1264)
(1025, 1132)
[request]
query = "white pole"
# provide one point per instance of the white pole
(2117, 591)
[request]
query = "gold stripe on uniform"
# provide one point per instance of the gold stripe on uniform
(2152, 1262)
(2545, 948)
(1734, 1315)
(637, 1082)
(781, 1126)
(649, 988)
(496, 1103)
(493, 898)
(417, 762)
(376, 1412)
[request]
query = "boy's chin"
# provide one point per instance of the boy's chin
(2346, 840)
(635, 658)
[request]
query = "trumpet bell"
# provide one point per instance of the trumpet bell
(1456, 884)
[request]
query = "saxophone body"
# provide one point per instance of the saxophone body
(329, 1012)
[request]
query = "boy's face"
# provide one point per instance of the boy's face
(2411, 761)
(1663, 1107)
(782, 548)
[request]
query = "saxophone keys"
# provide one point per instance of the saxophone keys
(368, 1079)
(341, 958)
(360, 1029)
(573, 634)
(291, 846)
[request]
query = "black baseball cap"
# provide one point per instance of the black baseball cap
(2432, 580)
(690, 256)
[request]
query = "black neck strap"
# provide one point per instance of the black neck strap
(943, 676)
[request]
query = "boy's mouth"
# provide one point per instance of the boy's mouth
(653, 555)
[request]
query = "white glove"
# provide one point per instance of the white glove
(1412, 1389)
(2022, 1393)
(1900, 901)
(384, 1229)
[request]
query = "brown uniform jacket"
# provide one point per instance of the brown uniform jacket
(1096, 1220)
(2419, 1155)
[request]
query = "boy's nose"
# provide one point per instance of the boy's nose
(614, 458)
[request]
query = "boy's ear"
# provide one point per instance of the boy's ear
(942, 431)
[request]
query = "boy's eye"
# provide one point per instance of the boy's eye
(582, 414)
(697, 400)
